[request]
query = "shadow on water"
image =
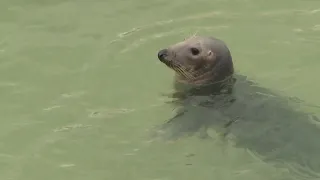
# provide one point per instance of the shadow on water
(255, 118)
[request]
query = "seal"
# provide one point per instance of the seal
(210, 95)
(200, 63)
(203, 68)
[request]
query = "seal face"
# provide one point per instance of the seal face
(199, 60)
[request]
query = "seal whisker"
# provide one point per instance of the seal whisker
(195, 34)
(182, 72)
(185, 73)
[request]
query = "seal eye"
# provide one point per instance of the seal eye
(194, 51)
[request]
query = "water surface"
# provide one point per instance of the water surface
(81, 85)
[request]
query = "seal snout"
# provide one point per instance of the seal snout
(162, 54)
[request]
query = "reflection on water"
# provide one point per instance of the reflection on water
(81, 90)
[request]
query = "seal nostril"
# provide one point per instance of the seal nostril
(162, 54)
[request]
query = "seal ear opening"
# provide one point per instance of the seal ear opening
(210, 55)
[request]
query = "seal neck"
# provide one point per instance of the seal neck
(205, 88)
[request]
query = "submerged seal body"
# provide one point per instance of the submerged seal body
(209, 94)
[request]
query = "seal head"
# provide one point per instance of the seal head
(199, 60)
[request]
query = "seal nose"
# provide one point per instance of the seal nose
(162, 54)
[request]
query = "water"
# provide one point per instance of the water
(81, 85)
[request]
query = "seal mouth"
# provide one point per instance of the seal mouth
(165, 57)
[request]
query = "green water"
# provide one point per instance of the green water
(80, 84)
